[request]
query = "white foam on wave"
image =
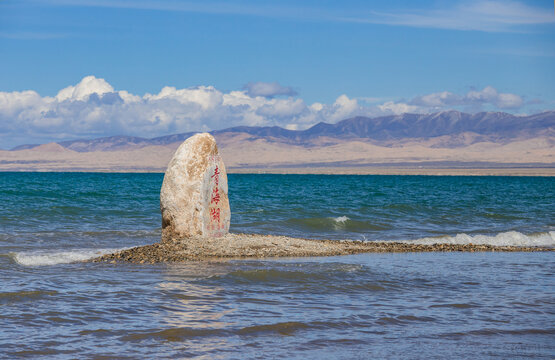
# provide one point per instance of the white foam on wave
(509, 238)
(340, 222)
(40, 258)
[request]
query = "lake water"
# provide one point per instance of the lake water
(410, 305)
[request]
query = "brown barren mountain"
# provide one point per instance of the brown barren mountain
(448, 142)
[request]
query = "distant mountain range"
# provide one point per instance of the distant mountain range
(458, 128)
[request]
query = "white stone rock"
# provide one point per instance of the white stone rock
(193, 199)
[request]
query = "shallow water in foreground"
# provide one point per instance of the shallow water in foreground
(424, 305)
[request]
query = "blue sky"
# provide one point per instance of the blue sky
(286, 63)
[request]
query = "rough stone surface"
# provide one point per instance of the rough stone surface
(193, 199)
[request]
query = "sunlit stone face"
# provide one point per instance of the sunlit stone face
(193, 199)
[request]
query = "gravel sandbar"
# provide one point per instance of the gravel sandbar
(268, 246)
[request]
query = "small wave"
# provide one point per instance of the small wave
(509, 238)
(340, 223)
(456, 306)
(282, 328)
(173, 334)
(95, 234)
(10, 297)
(274, 276)
(496, 332)
(39, 258)
(341, 219)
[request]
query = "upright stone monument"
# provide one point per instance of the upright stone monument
(193, 199)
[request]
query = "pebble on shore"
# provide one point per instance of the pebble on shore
(237, 246)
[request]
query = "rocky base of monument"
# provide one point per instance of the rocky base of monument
(237, 246)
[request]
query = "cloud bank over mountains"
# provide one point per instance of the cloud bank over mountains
(93, 108)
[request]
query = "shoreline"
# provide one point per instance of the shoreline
(523, 171)
(426, 171)
(252, 246)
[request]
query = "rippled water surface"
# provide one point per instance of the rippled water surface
(429, 305)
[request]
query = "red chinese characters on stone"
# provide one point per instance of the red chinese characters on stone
(216, 175)
(215, 225)
(215, 196)
(215, 199)
(215, 214)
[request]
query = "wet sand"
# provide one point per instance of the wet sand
(240, 246)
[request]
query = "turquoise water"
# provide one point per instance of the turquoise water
(435, 305)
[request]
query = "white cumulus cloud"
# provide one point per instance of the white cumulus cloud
(474, 98)
(89, 85)
(93, 108)
(268, 89)
(399, 108)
